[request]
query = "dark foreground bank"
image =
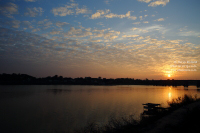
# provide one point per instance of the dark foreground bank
(181, 116)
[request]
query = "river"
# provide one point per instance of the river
(65, 108)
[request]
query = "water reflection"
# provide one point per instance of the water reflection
(65, 108)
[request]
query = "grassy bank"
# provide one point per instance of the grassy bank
(129, 124)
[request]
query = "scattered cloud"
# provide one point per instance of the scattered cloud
(70, 9)
(61, 24)
(55, 32)
(99, 14)
(146, 1)
(159, 2)
(145, 22)
(127, 15)
(137, 23)
(107, 1)
(104, 14)
(160, 19)
(15, 23)
(189, 33)
(8, 10)
(33, 12)
(30, 0)
(35, 30)
(155, 2)
(27, 24)
(124, 36)
(62, 11)
(83, 10)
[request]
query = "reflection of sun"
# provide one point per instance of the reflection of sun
(169, 95)
(169, 75)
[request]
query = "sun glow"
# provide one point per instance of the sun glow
(169, 75)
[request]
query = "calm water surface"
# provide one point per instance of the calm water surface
(61, 108)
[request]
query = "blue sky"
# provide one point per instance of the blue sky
(107, 38)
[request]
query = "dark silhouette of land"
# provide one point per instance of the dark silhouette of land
(24, 79)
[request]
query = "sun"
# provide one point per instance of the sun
(169, 75)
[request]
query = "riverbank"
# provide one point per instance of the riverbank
(182, 115)
(180, 119)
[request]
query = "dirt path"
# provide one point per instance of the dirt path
(172, 119)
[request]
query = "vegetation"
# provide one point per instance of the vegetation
(24, 79)
(182, 101)
(126, 125)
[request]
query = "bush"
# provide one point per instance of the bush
(181, 101)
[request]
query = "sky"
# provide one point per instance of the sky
(154, 39)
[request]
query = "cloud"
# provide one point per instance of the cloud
(106, 34)
(107, 1)
(155, 2)
(15, 23)
(55, 32)
(30, 0)
(145, 22)
(131, 56)
(35, 30)
(61, 24)
(77, 33)
(160, 19)
(27, 24)
(189, 33)
(137, 23)
(9, 9)
(70, 9)
(33, 12)
(146, 1)
(62, 11)
(101, 14)
(124, 36)
(83, 10)
(159, 2)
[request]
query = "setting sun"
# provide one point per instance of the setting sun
(169, 75)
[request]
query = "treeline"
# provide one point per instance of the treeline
(24, 79)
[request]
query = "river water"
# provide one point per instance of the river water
(65, 108)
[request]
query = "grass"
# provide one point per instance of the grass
(182, 101)
(129, 124)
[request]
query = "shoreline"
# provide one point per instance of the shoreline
(173, 119)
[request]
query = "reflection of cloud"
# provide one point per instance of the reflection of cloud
(9, 9)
